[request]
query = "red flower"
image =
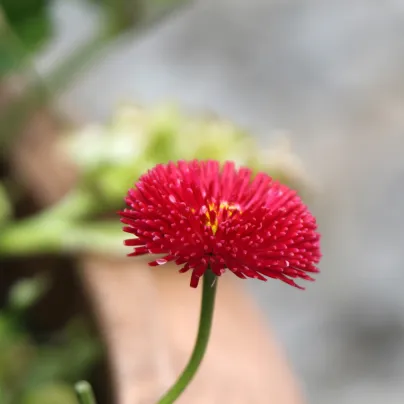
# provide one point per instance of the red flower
(200, 215)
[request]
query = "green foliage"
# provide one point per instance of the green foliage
(5, 206)
(55, 393)
(30, 25)
(26, 292)
(11, 51)
(33, 373)
(111, 157)
(20, 11)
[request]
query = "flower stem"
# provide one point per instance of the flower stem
(205, 325)
(85, 393)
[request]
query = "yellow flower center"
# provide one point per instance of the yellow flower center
(216, 213)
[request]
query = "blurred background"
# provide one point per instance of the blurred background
(127, 83)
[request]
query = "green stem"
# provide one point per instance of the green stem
(85, 393)
(205, 325)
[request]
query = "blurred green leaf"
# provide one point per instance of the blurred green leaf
(5, 205)
(34, 32)
(18, 11)
(111, 157)
(16, 356)
(27, 292)
(102, 237)
(25, 27)
(68, 359)
(32, 373)
(11, 50)
(51, 393)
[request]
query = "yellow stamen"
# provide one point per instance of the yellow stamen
(219, 211)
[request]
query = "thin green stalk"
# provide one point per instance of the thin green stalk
(205, 325)
(84, 393)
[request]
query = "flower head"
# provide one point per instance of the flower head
(202, 215)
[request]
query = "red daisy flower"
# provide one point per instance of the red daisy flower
(202, 215)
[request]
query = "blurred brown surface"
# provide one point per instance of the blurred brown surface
(35, 158)
(148, 318)
(37, 162)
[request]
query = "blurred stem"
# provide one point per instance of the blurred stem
(57, 229)
(40, 235)
(76, 205)
(5, 207)
(33, 235)
(205, 325)
(11, 47)
(123, 14)
(43, 90)
(85, 393)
